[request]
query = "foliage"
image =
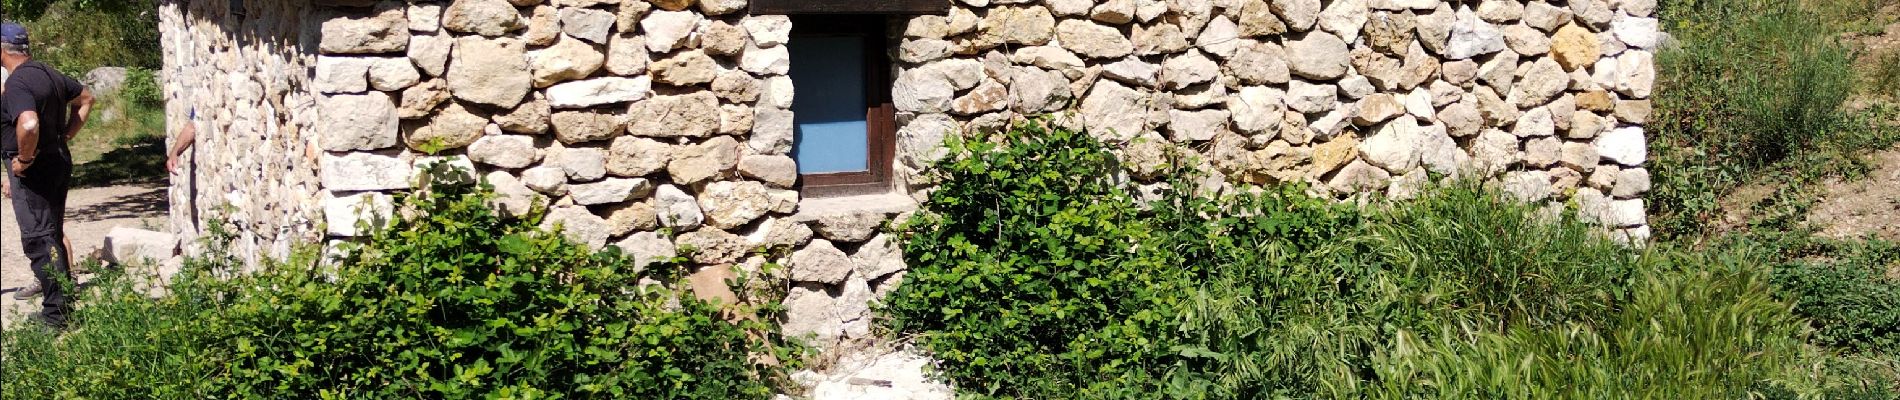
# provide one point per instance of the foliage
(1035, 274)
(75, 36)
(1752, 84)
(451, 301)
(1030, 270)
(1850, 290)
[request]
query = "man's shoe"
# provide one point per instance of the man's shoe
(40, 319)
(27, 292)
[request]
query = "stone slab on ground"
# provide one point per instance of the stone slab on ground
(90, 214)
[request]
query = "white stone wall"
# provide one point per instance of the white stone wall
(629, 116)
(253, 166)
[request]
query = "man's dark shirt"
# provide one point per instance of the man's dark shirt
(35, 87)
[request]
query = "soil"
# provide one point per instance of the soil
(90, 213)
(1864, 207)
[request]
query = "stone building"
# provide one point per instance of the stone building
(805, 123)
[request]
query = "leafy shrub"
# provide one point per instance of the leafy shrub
(1035, 274)
(75, 36)
(1752, 84)
(1031, 269)
(451, 301)
(1844, 289)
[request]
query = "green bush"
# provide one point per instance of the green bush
(451, 301)
(1843, 287)
(1752, 84)
(1035, 274)
(75, 36)
(1030, 269)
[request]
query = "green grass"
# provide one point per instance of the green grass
(1034, 276)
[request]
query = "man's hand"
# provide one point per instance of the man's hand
(171, 164)
(19, 168)
(6, 187)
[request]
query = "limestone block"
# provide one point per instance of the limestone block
(341, 217)
(381, 30)
(609, 191)
(364, 171)
(732, 204)
(489, 71)
(357, 122)
(677, 209)
(482, 17)
(599, 91)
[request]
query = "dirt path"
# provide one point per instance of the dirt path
(1869, 206)
(90, 213)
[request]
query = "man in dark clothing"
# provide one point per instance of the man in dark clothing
(43, 110)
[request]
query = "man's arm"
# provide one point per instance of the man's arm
(185, 136)
(27, 130)
(81, 109)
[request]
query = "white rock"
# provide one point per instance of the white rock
(1132, 71)
(357, 122)
(767, 61)
(384, 30)
(548, 180)
(1635, 74)
(1472, 36)
(768, 30)
(677, 209)
(1418, 103)
(1300, 15)
(1318, 56)
(1188, 69)
(1626, 213)
(578, 225)
(342, 74)
(627, 55)
(343, 214)
(1344, 18)
(392, 73)
(668, 30)
(648, 247)
(1625, 146)
(512, 198)
(364, 171)
(1631, 183)
(1534, 123)
(1527, 186)
(1220, 38)
(1116, 113)
(1438, 152)
(505, 151)
(1092, 40)
(587, 24)
(489, 71)
(1395, 147)
(609, 191)
(567, 59)
(731, 204)
(424, 17)
(1311, 98)
(581, 164)
(1639, 32)
(1198, 125)
(820, 262)
(1258, 109)
(599, 91)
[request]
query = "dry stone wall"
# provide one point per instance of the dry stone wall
(253, 166)
(630, 118)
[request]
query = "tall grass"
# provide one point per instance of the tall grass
(1752, 83)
